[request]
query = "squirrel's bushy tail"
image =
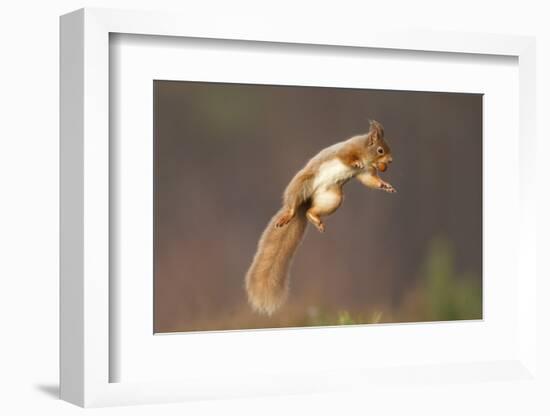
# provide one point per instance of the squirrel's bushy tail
(267, 277)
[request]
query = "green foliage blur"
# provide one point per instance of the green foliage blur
(443, 294)
(449, 295)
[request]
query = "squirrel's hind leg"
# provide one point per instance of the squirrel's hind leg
(315, 220)
(324, 203)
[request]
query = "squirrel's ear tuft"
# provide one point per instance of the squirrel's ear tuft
(376, 132)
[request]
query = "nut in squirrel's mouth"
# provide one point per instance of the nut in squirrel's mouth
(381, 166)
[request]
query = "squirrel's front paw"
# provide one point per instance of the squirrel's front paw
(387, 187)
(357, 164)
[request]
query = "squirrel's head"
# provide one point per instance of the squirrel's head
(379, 153)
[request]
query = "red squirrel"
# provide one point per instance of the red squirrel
(315, 191)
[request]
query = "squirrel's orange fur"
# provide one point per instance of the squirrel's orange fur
(314, 192)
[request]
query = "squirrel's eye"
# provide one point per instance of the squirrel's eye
(380, 151)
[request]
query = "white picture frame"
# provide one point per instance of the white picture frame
(86, 303)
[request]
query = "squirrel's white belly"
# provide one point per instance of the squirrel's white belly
(331, 173)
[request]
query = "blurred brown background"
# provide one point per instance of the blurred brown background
(224, 154)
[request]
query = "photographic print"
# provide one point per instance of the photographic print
(294, 206)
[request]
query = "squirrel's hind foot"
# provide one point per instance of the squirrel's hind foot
(284, 219)
(316, 221)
